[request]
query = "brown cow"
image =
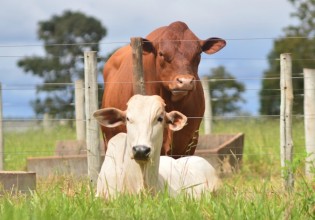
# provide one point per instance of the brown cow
(170, 61)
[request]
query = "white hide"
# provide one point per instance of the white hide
(121, 173)
(191, 175)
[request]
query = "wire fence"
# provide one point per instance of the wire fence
(37, 122)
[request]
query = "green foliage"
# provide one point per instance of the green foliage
(300, 42)
(225, 91)
(65, 38)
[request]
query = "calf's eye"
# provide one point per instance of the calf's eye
(160, 119)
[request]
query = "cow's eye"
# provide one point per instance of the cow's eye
(160, 119)
(127, 119)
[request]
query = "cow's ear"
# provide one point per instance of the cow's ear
(147, 46)
(175, 120)
(212, 45)
(110, 117)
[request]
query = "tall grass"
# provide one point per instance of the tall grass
(255, 192)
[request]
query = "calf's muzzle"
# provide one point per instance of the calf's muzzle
(141, 152)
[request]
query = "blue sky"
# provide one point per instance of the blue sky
(249, 26)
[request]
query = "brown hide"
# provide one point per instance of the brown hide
(170, 61)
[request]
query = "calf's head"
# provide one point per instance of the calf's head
(145, 119)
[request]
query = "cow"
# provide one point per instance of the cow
(171, 56)
(132, 161)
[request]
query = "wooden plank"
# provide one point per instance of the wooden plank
(91, 105)
(286, 142)
(17, 181)
(1, 133)
(309, 121)
(207, 119)
(138, 75)
(79, 110)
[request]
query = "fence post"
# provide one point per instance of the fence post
(79, 110)
(138, 76)
(47, 123)
(286, 142)
(91, 105)
(1, 133)
(309, 120)
(207, 119)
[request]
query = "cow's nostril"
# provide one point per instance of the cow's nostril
(179, 80)
(183, 81)
(141, 152)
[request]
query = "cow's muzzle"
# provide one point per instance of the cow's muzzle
(185, 83)
(141, 152)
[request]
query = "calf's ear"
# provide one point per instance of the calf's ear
(212, 45)
(175, 120)
(110, 117)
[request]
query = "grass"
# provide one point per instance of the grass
(20, 145)
(254, 193)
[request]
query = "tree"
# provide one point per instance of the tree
(225, 91)
(65, 37)
(300, 42)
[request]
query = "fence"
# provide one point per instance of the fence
(286, 145)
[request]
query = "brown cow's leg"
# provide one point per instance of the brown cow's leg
(108, 133)
(167, 142)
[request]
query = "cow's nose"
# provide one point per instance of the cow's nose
(141, 152)
(185, 83)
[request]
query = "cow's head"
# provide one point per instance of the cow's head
(145, 119)
(178, 51)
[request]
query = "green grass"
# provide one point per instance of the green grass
(20, 145)
(255, 192)
(66, 198)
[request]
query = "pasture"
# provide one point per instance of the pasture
(255, 192)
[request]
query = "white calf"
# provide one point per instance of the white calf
(132, 160)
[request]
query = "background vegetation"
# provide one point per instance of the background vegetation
(299, 40)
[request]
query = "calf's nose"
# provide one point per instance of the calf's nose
(141, 152)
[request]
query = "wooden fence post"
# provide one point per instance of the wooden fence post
(309, 121)
(47, 123)
(138, 76)
(1, 133)
(91, 105)
(286, 142)
(79, 110)
(207, 119)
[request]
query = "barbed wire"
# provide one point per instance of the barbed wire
(128, 41)
(177, 155)
(202, 58)
(146, 82)
(215, 117)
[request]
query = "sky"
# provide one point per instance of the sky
(248, 26)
